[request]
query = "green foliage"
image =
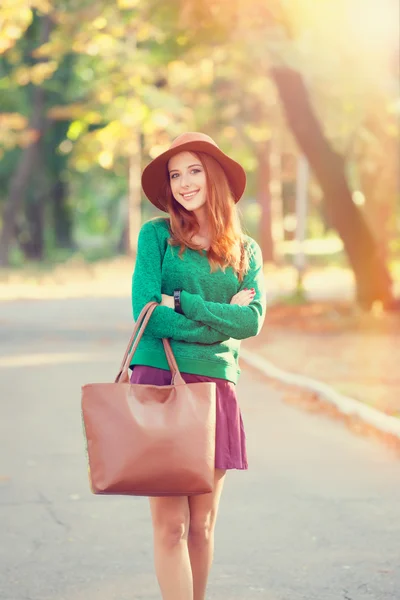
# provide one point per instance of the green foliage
(112, 69)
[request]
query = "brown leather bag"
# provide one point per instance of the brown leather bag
(149, 440)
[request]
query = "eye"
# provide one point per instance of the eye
(174, 175)
(196, 171)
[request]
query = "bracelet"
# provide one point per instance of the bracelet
(177, 301)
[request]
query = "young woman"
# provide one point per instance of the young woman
(207, 277)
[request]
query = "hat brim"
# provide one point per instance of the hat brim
(155, 174)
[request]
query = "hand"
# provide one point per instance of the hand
(167, 301)
(244, 297)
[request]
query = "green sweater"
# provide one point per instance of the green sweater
(206, 338)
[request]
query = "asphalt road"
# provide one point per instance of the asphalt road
(317, 516)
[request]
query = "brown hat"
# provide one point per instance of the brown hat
(154, 175)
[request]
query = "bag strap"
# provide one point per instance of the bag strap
(135, 338)
(135, 330)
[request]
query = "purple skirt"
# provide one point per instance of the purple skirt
(230, 438)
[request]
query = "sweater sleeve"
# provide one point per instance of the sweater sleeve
(146, 287)
(238, 322)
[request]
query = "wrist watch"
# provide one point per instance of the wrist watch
(177, 301)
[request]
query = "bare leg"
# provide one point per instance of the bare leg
(170, 518)
(203, 515)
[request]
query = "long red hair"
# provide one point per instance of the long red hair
(227, 246)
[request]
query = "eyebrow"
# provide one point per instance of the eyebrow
(189, 167)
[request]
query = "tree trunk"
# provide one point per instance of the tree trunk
(62, 216)
(264, 201)
(31, 235)
(372, 277)
(276, 194)
(288, 183)
(26, 165)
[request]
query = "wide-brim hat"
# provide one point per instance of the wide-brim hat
(155, 174)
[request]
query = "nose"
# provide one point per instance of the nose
(185, 181)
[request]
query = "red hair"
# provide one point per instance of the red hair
(227, 247)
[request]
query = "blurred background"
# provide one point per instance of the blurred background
(304, 94)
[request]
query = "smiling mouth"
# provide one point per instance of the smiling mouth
(189, 195)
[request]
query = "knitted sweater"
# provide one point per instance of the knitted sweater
(206, 338)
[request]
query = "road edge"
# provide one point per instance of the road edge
(344, 404)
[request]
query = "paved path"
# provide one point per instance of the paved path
(317, 517)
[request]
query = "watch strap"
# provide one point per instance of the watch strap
(177, 301)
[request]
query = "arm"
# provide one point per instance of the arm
(146, 287)
(238, 322)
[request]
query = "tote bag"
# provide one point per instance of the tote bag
(149, 440)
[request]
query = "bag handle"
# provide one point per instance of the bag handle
(140, 326)
(135, 329)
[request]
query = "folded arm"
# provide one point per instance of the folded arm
(146, 287)
(238, 322)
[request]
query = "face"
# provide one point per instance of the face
(188, 180)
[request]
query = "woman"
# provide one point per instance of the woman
(208, 278)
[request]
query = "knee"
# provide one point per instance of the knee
(170, 532)
(201, 529)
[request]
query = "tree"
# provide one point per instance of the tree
(28, 158)
(372, 277)
(279, 38)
